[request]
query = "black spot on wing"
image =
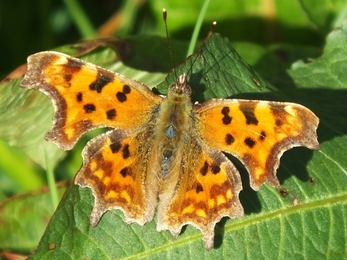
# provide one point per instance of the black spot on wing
(204, 169)
(121, 97)
(227, 118)
(101, 81)
(248, 111)
(89, 108)
(125, 151)
(115, 147)
(198, 188)
(215, 168)
(79, 97)
(111, 114)
(126, 171)
(229, 139)
(249, 142)
(126, 89)
(262, 136)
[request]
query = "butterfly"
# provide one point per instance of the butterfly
(164, 154)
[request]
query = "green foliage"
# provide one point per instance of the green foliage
(307, 223)
(23, 220)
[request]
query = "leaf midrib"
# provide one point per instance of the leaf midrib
(251, 220)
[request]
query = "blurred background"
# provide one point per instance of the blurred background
(30, 26)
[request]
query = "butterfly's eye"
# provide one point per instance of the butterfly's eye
(187, 90)
(173, 88)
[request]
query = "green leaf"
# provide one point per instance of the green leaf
(25, 116)
(14, 164)
(325, 14)
(305, 220)
(23, 220)
(218, 71)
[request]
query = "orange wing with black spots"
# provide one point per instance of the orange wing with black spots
(257, 132)
(208, 190)
(86, 96)
(113, 167)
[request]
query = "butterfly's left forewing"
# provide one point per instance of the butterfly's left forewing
(86, 96)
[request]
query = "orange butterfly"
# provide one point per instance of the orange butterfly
(165, 152)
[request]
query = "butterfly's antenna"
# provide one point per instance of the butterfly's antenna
(168, 39)
(199, 51)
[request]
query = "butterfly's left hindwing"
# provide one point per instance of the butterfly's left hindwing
(207, 190)
(114, 168)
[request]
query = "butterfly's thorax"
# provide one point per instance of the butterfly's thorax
(172, 129)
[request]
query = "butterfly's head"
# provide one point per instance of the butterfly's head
(180, 91)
